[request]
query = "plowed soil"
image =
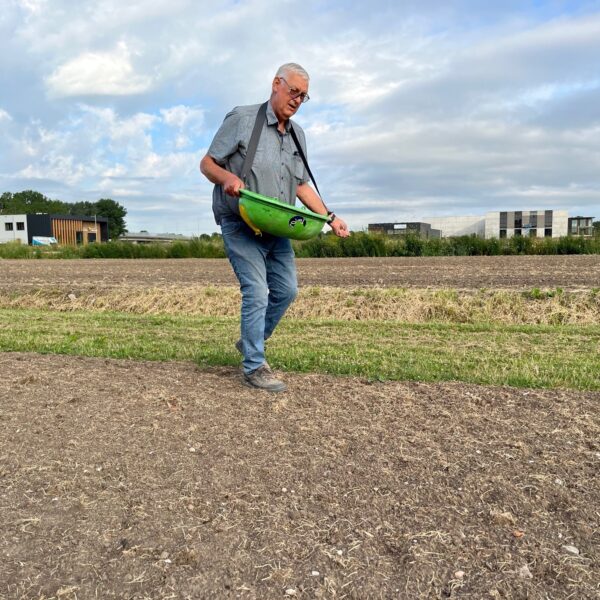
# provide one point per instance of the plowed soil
(123, 479)
(473, 272)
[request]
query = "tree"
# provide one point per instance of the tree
(115, 213)
(596, 225)
(28, 202)
(84, 208)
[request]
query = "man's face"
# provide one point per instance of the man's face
(283, 104)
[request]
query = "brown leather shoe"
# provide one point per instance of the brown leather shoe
(264, 379)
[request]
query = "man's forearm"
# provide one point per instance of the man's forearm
(231, 183)
(311, 199)
(212, 171)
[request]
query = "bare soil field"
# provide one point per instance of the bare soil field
(139, 480)
(498, 272)
(122, 479)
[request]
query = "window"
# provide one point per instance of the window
(533, 232)
(20, 226)
(548, 232)
(79, 237)
(517, 233)
(8, 226)
(503, 233)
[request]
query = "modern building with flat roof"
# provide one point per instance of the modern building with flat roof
(581, 226)
(532, 223)
(495, 224)
(455, 226)
(67, 229)
(423, 229)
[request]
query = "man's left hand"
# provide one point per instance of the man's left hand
(339, 227)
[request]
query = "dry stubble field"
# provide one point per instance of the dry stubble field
(122, 479)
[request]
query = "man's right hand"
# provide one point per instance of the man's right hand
(232, 185)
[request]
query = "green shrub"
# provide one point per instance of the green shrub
(15, 250)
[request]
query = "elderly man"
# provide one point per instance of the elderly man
(264, 265)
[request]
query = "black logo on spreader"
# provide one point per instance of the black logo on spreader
(297, 219)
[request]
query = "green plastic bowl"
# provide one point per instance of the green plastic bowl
(269, 215)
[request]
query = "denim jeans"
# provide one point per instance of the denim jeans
(266, 270)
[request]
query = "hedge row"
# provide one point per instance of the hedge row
(323, 246)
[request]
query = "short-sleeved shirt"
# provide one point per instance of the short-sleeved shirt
(277, 169)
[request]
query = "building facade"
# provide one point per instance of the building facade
(532, 223)
(417, 228)
(495, 224)
(581, 226)
(67, 229)
(455, 226)
(13, 228)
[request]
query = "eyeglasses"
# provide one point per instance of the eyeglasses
(295, 93)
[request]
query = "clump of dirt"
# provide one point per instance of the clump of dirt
(122, 479)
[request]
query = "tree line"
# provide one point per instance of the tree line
(30, 202)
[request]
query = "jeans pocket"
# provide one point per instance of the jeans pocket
(231, 227)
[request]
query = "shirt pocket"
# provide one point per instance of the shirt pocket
(298, 168)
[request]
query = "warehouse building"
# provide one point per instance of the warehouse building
(423, 229)
(455, 226)
(495, 224)
(65, 229)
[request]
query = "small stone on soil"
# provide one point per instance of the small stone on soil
(525, 573)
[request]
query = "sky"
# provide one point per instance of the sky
(417, 108)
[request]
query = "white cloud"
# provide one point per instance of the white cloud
(416, 107)
(99, 73)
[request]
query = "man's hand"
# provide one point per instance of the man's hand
(339, 227)
(232, 185)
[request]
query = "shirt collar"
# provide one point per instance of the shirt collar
(272, 119)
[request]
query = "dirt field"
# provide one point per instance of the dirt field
(123, 479)
(498, 272)
(141, 480)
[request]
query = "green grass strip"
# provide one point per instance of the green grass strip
(561, 356)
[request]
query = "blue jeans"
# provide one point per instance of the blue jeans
(265, 268)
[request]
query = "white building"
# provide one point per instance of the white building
(504, 224)
(13, 228)
(532, 223)
(455, 226)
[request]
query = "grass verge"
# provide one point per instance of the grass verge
(540, 356)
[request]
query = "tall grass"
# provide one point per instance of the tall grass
(196, 248)
(365, 244)
(324, 246)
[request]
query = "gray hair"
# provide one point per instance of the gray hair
(292, 68)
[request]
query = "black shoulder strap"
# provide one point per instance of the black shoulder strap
(261, 117)
(301, 153)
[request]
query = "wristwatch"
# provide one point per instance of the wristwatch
(330, 217)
